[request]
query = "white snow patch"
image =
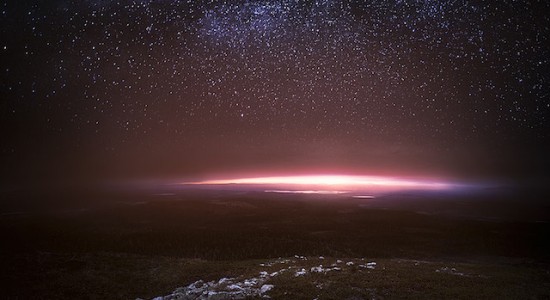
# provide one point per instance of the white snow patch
(320, 269)
(225, 288)
(369, 265)
(242, 288)
(235, 287)
(301, 272)
(266, 288)
(223, 280)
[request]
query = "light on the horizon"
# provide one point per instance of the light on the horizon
(318, 192)
(332, 182)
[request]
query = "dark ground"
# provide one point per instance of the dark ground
(123, 245)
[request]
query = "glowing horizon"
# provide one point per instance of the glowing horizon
(332, 181)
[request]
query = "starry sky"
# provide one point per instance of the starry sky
(131, 88)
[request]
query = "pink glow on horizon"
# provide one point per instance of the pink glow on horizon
(332, 181)
(321, 192)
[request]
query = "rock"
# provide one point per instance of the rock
(266, 288)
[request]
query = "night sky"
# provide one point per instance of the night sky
(101, 89)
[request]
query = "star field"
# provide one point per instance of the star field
(172, 78)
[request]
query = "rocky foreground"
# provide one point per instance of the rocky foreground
(260, 285)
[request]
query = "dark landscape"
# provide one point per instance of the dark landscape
(122, 245)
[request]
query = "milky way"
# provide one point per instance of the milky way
(199, 85)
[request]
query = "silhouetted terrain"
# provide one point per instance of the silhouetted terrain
(128, 245)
